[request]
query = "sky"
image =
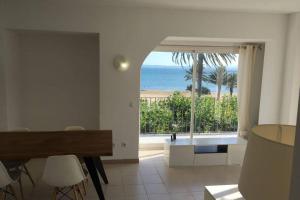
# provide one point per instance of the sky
(163, 58)
(159, 58)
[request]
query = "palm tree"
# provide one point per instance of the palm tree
(204, 90)
(201, 59)
(231, 81)
(217, 75)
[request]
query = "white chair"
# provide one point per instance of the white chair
(6, 188)
(21, 129)
(97, 160)
(16, 168)
(81, 162)
(64, 173)
(74, 128)
(22, 166)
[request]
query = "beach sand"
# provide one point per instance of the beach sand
(159, 93)
(164, 94)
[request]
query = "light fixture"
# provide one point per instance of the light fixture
(121, 63)
(267, 166)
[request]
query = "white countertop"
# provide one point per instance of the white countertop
(206, 141)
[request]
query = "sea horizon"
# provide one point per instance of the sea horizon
(171, 78)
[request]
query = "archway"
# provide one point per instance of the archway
(166, 85)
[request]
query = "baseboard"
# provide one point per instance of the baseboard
(120, 161)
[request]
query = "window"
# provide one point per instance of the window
(171, 100)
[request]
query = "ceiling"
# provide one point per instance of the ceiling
(172, 43)
(197, 41)
(269, 6)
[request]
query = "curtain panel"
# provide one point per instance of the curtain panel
(246, 73)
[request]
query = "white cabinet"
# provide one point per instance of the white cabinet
(210, 159)
(183, 156)
(205, 151)
(236, 154)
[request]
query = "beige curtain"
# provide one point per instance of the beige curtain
(247, 57)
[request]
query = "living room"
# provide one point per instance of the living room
(58, 70)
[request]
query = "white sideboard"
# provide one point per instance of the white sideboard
(205, 151)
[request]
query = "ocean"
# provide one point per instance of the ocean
(170, 78)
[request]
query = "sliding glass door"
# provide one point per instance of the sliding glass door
(189, 92)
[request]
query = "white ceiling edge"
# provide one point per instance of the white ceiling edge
(200, 44)
(204, 41)
(249, 6)
(245, 6)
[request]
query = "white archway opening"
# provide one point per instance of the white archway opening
(170, 101)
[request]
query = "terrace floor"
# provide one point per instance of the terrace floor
(151, 179)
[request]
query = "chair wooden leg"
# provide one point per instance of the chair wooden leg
(5, 193)
(75, 192)
(21, 187)
(84, 187)
(54, 193)
(12, 190)
(79, 191)
(2, 195)
(29, 175)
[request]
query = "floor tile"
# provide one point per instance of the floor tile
(159, 197)
(134, 190)
(137, 197)
(155, 178)
(132, 179)
(156, 189)
(151, 179)
(182, 196)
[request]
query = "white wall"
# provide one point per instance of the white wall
(134, 33)
(60, 80)
(52, 80)
(3, 122)
(291, 85)
(13, 79)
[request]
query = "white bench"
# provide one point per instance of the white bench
(205, 151)
(222, 192)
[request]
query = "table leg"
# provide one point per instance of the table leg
(100, 168)
(94, 175)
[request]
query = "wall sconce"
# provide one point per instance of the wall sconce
(121, 63)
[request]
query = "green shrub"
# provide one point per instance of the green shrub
(180, 107)
(173, 114)
(205, 114)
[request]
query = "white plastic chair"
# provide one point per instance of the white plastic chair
(98, 161)
(64, 172)
(81, 162)
(23, 166)
(74, 128)
(21, 129)
(5, 183)
(16, 168)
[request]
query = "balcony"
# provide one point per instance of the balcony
(165, 115)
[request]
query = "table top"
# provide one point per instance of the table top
(19, 145)
(206, 141)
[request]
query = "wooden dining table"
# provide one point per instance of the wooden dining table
(88, 144)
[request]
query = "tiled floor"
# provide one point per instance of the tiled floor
(151, 179)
